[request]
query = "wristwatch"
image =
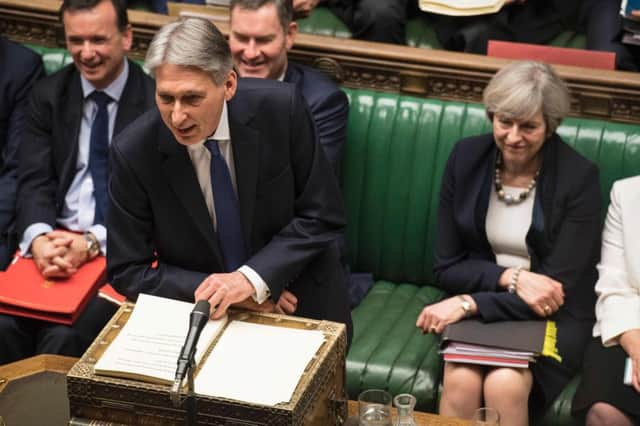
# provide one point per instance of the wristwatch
(465, 305)
(93, 246)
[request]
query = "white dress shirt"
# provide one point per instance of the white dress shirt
(201, 159)
(79, 203)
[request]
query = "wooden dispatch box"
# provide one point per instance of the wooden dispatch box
(319, 398)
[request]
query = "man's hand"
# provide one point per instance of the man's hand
(77, 253)
(223, 290)
(543, 294)
(287, 303)
(434, 318)
(630, 342)
(49, 256)
(303, 8)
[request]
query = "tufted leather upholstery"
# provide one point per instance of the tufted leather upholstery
(396, 151)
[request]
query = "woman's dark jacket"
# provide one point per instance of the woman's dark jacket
(563, 240)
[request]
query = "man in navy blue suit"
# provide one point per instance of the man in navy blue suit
(261, 34)
(225, 186)
(61, 202)
(20, 68)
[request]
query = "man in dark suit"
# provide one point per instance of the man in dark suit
(225, 186)
(21, 68)
(62, 199)
(261, 34)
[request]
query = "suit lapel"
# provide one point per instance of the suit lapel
(71, 131)
(178, 170)
(131, 103)
(245, 142)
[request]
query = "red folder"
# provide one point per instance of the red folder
(552, 54)
(25, 292)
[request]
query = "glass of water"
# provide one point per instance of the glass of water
(374, 408)
(486, 416)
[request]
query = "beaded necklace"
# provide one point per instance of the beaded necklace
(510, 198)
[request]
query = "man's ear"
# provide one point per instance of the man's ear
(290, 36)
(230, 85)
(127, 38)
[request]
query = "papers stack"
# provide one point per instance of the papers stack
(461, 7)
(486, 355)
(501, 343)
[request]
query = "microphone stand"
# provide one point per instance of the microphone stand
(191, 395)
(191, 402)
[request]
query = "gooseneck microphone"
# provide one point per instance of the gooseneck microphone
(197, 320)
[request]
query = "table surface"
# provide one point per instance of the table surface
(23, 370)
(422, 419)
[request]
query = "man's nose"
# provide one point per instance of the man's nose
(88, 51)
(251, 51)
(178, 115)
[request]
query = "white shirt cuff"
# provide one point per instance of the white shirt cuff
(262, 290)
(30, 234)
(101, 234)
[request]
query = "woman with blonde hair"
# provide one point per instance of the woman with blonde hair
(518, 239)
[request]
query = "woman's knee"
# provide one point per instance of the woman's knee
(502, 384)
(603, 414)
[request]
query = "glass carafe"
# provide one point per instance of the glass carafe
(405, 403)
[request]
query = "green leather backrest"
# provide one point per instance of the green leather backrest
(393, 161)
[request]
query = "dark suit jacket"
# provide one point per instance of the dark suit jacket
(563, 240)
(329, 107)
(21, 67)
(290, 205)
(49, 153)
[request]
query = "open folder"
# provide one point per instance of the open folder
(25, 292)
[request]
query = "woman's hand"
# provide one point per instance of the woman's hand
(434, 318)
(630, 342)
(543, 294)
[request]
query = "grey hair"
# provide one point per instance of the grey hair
(191, 42)
(284, 9)
(521, 89)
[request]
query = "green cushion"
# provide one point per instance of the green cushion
(322, 21)
(54, 58)
(421, 33)
(394, 158)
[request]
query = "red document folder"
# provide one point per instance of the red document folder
(25, 292)
(552, 54)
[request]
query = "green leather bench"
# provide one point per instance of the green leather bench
(393, 161)
(394, 158)
(419, 32)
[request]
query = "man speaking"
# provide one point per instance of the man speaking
(225, 186)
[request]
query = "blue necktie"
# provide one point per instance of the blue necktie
(99, 154)
(227, 210)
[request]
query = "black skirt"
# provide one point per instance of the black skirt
(602, 381)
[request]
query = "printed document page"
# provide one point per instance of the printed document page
(149, 344)
(257, 363)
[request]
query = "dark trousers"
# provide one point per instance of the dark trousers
(23, 337)
(603, 26)
(376, 20)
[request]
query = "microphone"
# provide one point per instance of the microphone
(197, 320)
